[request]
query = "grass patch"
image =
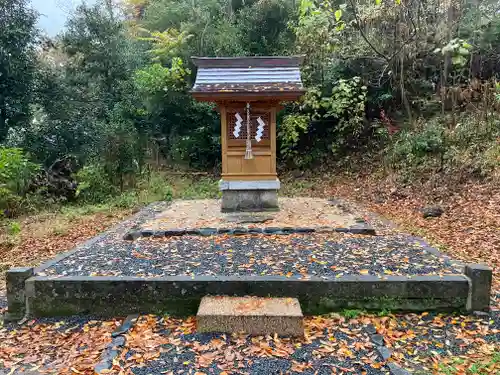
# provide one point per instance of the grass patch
(293, 187)
(384, 312)
(482, 366)
(194, 187)
(352, 314)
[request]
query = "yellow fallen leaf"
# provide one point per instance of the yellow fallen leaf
(364, 272)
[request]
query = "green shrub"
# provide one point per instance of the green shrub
(128, 199)
(16, 171)
(16, 174)
(94, 184)
(14, 228)
(411, 146)
(291, 130)
(328, 123)
(154, 187)
(469, 149)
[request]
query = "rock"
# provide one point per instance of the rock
(432, 211)
(396, 370)
(147, 233)
(378, 339)
(174, 232)
(302, 354)
(132, 235)
(159, 234)
(325, 229)
(208, 231)
(304, 230)
(118, 342)
(272, 230)
(334, 202)
(384, 352)
(370, 329)
(362, 229)
(127, 324)
(106, 362)
(240, 231)
(481, 314)
(254, 230)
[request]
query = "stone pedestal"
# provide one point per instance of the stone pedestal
(481, 277)
(16, 294)
(249, 196)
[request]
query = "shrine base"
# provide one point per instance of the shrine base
(249, 196)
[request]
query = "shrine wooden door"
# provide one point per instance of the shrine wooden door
(263, 164)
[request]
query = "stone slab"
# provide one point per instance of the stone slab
(252, 315)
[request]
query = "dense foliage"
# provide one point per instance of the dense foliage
(411, 83)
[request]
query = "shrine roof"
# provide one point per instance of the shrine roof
(278, 77)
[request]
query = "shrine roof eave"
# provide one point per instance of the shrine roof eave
(280, 96)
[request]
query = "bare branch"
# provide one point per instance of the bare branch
(358, 22)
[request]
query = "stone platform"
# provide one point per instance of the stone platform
(296, 215)
(325, 271)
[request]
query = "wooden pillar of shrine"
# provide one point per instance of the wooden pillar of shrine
(248, 92)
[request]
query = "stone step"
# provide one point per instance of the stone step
(252, 315)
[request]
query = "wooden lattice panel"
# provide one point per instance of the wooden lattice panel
(231, 121)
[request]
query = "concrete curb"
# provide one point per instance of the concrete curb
(180, 295)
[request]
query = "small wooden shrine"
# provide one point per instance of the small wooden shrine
(248, 92)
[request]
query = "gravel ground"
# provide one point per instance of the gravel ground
(54, 345)
(333, 344)
(325, 255)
